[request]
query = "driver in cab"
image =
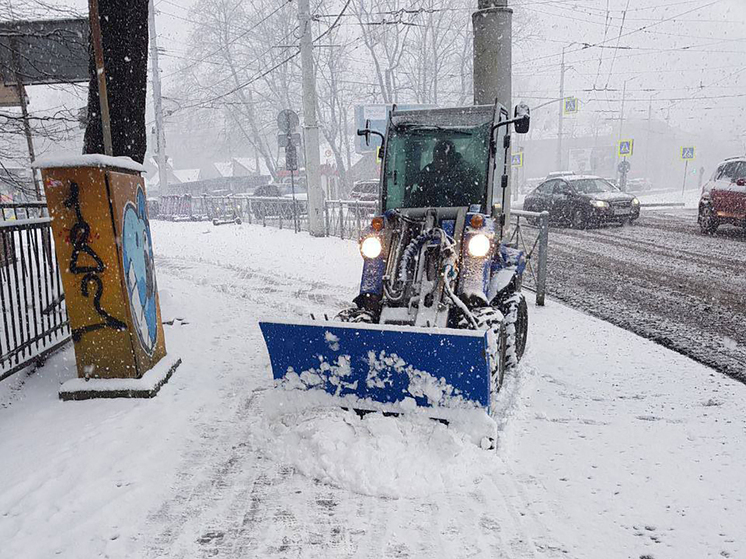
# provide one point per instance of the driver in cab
(447, 181)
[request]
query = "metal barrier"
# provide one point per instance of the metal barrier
(347, 218)
(536, 267)
(278, 212)
(33, 321)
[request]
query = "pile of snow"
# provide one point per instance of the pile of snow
(407, 456)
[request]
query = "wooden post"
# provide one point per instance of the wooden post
(24, 113)
(98, 51)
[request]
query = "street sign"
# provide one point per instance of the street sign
(687, 153)
(516, 159)
(571, 105)
(284, 139)
(287, 121)
(626, 148)
(9, 96)
(45, 52)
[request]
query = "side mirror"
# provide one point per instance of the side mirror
(522, 117)
(365, 132)
(740, 182)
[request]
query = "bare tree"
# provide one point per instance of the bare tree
(385, 26)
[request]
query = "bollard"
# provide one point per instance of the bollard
(541, 279)
(326, 216)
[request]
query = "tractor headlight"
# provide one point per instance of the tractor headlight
(371, 247)
(479, 245)
(599, 203)
(635, 202)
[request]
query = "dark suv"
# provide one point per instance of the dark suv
(724, 196)
(582, 201)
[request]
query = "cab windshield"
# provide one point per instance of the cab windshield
(436, 166)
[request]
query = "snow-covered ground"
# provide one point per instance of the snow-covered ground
(690, 197)
(611, 446)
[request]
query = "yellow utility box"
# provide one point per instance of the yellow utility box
(105, 251)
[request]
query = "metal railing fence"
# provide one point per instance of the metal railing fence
(342, 218)
(346, 219)
(530, 233)
(33, 317)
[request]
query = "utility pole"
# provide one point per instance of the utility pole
(310, 126)
(560, 122)
(648, 145)
(492, 52)
(493, 61)
(160, 132)
(621, 114)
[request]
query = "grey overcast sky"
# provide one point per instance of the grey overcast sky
(686, 58)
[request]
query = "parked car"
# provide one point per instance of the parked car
(639, 185)
(558, 174)
(723, 197)
(582, 201)
(365, 190)
(269, 190)
(279, 208)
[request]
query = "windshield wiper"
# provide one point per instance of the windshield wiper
(414, 128)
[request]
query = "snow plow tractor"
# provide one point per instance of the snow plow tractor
(440, 315)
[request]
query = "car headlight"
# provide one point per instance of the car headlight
(635, 202)
(371, 247)
(599, 203)
(479, 245)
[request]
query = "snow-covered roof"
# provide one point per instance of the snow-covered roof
(225, 168)
(187, 175)
(249, 164)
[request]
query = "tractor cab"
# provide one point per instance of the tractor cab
(442, 158)
(447, 158)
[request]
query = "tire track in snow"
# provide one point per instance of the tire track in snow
(281, 294)
(660, 279)
(232, 501)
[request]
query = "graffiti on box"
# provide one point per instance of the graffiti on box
(80, 234)
(139, 270)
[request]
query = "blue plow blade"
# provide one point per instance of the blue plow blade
(437, 368)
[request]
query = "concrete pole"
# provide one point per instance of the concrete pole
(158, 105)
(493, 65)
(310, 126)
(621, 114)
(493, 57)
(648, 146)
(561, 121)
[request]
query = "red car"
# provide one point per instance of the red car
(724, 196)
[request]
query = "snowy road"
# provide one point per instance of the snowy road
(661, 279)
(611, 445)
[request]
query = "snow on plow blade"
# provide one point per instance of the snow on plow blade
(382, 367)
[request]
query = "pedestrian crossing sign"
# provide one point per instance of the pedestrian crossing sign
(626, 147)
(571, 105)
(687, 153)
(516, 160)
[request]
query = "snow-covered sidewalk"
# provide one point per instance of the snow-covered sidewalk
(611, 446)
